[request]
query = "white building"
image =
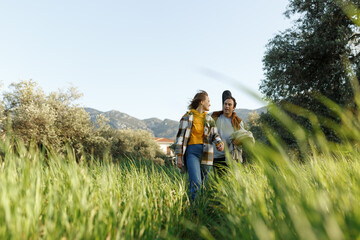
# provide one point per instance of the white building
(164, 144)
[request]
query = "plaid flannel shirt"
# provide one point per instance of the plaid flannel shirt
(210, 136)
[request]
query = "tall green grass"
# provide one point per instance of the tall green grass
(59, 198)
(284, 199)
(280, 197)
(273, 198)
(52, 196)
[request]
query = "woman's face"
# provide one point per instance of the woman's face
(206, 104)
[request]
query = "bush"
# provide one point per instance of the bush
(54, 121)
(49, 120)
(135, 143)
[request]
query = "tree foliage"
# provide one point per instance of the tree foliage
(307, 61)
(51, 120)
(54, 121)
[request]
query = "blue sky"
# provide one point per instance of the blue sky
(141, 57)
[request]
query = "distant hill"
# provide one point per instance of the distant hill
(159, 128)
(118, 120)
(166, 129)
(243, 113)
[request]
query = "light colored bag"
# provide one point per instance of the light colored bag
(236, 153)
(241, 136)
(238, 138)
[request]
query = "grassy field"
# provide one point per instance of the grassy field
(271, 198)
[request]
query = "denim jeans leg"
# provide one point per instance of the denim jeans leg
(193, 158)
(205, 170)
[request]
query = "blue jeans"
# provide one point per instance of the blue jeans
(197, 173)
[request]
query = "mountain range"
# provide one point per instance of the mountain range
(159, 128)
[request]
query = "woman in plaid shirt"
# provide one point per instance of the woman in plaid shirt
(194, 142)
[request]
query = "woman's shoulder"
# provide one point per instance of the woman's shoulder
(208, 117)
(186, 115)
(210, 120)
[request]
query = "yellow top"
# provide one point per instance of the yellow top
(197, 130)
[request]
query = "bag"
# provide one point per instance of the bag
(242, 136)
(236, 153)
(238, 138)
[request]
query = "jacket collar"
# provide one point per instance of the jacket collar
(235, 120)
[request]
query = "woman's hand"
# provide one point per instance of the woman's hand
(179, 162)
(220, 147)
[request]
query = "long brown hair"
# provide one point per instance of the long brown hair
(200, 96)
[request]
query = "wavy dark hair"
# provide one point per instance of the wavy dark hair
(199, 96)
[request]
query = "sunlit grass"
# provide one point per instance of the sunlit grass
(60, 198)
(275, 196)
(272, 198)
(319, 199)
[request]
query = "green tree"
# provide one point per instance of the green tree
(306, 61)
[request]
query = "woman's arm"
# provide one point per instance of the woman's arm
(215, 137)
(179, 142)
